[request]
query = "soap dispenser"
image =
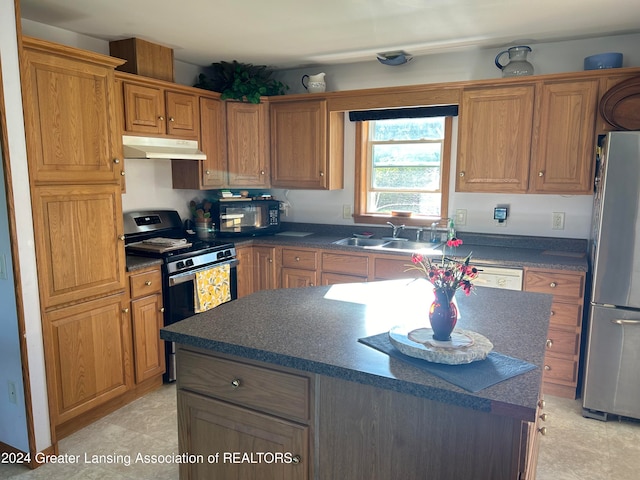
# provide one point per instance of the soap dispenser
(451, 229)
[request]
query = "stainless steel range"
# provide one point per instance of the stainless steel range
(160, 234)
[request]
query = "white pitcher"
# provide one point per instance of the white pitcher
(315, 83)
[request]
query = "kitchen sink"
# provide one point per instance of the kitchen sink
(401, 245)
(361, 242)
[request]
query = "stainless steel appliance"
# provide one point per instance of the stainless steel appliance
(160, 234)
(240, 217)
(612, 367)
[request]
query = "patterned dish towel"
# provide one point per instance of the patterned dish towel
(212, 288)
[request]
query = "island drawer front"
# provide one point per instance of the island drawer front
(343, 263)
(145, 283)
(566, 314)
(561, 341)
(556, 283)
(305, 259)
(392, 268)
(328, 278)
(260, 388)
(560, 370)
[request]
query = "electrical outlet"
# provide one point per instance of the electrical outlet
(557, 221)
(13, 396)
(461, 216)
(346, 211)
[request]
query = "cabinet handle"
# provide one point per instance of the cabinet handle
(161, 309)
(125, 310)
(296, 459)
(161, 118)
(116, 160)
(543, 430)
(549, 343)
(148, 283)
(543, 417)
(541, 173)
(547, 368)
(461, 174)
(553, 284)
(171, 119)
(235, 383)
(542, 403)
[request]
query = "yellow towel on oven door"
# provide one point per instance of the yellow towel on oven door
(212, 288)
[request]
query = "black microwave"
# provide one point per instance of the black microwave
(245, 217)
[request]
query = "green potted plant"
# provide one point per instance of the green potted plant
(241, 81)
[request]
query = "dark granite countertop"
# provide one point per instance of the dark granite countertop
(135, 262)
(498, 250)
(300, 328)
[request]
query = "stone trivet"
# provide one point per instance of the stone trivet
(454, 352)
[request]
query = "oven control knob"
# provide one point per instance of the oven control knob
(180, 264)
(189, 263)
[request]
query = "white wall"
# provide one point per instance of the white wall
(529, 214)
(26, 252)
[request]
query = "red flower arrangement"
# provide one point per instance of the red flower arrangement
(449, 274)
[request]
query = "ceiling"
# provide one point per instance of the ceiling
(295, 33)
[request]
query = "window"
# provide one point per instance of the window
(402, 164)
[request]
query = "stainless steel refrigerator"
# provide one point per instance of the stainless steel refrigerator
(612, 367)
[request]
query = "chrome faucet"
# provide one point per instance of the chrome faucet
(394, 234)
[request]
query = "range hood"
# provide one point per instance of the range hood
(151, 147)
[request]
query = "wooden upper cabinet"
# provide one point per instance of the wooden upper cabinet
(494, 141)
(70, 114)
(78, 231)
(300, 148)
(247, 144)
(563, 147)
(213, 132)
(152, 109)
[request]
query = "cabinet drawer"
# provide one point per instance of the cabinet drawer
(555, 283)
(145, 283)
(558, 369)
(342, 263)
(566, 314)
(391, 268)
(304, 259)
(562, 341)
(328, 278)
(260, 388)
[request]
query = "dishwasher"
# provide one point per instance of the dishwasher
(499, 277)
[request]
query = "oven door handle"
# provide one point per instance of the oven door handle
(190, 276)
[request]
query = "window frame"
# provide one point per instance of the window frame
(362, 182)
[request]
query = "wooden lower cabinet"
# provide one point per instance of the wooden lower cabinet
(147, 319)
(245, 271)
(88, 356)
(562, 358)
(299, 268)
(329, 428)
(265, 274)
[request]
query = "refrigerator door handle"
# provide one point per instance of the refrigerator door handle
(621, 321)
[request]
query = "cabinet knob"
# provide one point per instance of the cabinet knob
(122, 173)
(297, 259)
(116, 160)
(543, 417)
(121, 237)
(125, 310)
(271, 260)
(161, 309)
(322, 174)
(261, 172)
(296, 459)
(171, 119)
(161, 118)
(461, 174)
(549, 343)
(148, 283)
(553, 284)
(552, 313)
(235, 383)
(547, 368)
(543, 430)
(541, 173)
(542, 403)
(208, 172)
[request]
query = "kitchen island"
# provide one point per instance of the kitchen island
(280, 374)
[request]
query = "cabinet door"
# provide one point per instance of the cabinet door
(299, 144)
(266, 275)
(143, 109)
(247, 149)
(245, 271)
(207, 426)
(563, 153)
(70, 114)
(87, 355)
(494, 142)
(148, 348)
(78, 231)
(182, 115)
(296, 278)
(213, 132)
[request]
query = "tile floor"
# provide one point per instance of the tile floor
(575, 448)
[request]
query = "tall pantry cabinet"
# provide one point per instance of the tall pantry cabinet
(75, 168)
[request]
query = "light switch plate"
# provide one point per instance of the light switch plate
(461, 216)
